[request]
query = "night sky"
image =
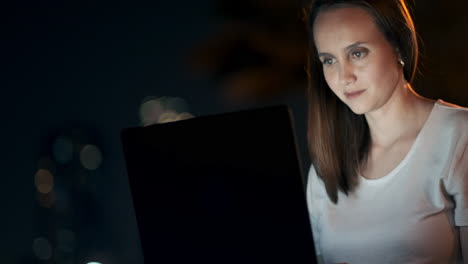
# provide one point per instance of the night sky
(87, 66)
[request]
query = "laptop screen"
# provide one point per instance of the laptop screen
(225, 188)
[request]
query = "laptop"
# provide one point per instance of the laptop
(224, 188)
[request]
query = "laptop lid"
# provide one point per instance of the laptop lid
(224, 188)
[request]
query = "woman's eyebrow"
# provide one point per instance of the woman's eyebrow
(322, 54)
(355, 44)
(347, 48)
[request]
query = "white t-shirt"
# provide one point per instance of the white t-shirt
(411, 214)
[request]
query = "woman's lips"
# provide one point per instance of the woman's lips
(354, 94)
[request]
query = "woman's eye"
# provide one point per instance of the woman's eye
(328, 61)
(358, 54)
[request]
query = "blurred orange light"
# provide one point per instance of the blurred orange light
(44, 181)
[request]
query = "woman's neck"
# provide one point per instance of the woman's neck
(401, 118)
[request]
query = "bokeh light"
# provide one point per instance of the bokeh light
(90, 157)
(150, 110)
(164, 109)
(44, 181)
(42, 248)
(176, 104)
(168, 116)
(62, 150)
(185, 115)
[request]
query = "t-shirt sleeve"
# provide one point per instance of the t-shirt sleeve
(458, 182)
(316, 196)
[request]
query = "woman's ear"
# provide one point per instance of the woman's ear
(399, 57)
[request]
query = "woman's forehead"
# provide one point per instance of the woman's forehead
(342, 26)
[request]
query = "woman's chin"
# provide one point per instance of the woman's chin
(357, 109)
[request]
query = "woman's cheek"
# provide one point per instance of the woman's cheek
(330, 78)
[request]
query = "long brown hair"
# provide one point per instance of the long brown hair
(339, 140)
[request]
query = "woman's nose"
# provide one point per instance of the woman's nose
(347, 75)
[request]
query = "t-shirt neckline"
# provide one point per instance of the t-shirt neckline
(408, 155)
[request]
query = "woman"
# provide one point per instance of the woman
(389, 175)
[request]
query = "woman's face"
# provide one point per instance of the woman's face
(359, 64)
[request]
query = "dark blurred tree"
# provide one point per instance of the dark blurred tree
(259, 52)
(442, 26)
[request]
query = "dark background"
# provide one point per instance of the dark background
(84, 68)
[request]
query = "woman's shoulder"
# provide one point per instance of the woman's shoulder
(452, 111)
(452, 116)
(314, 183)
(453, 126)
(312, 175)
(316, 193)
